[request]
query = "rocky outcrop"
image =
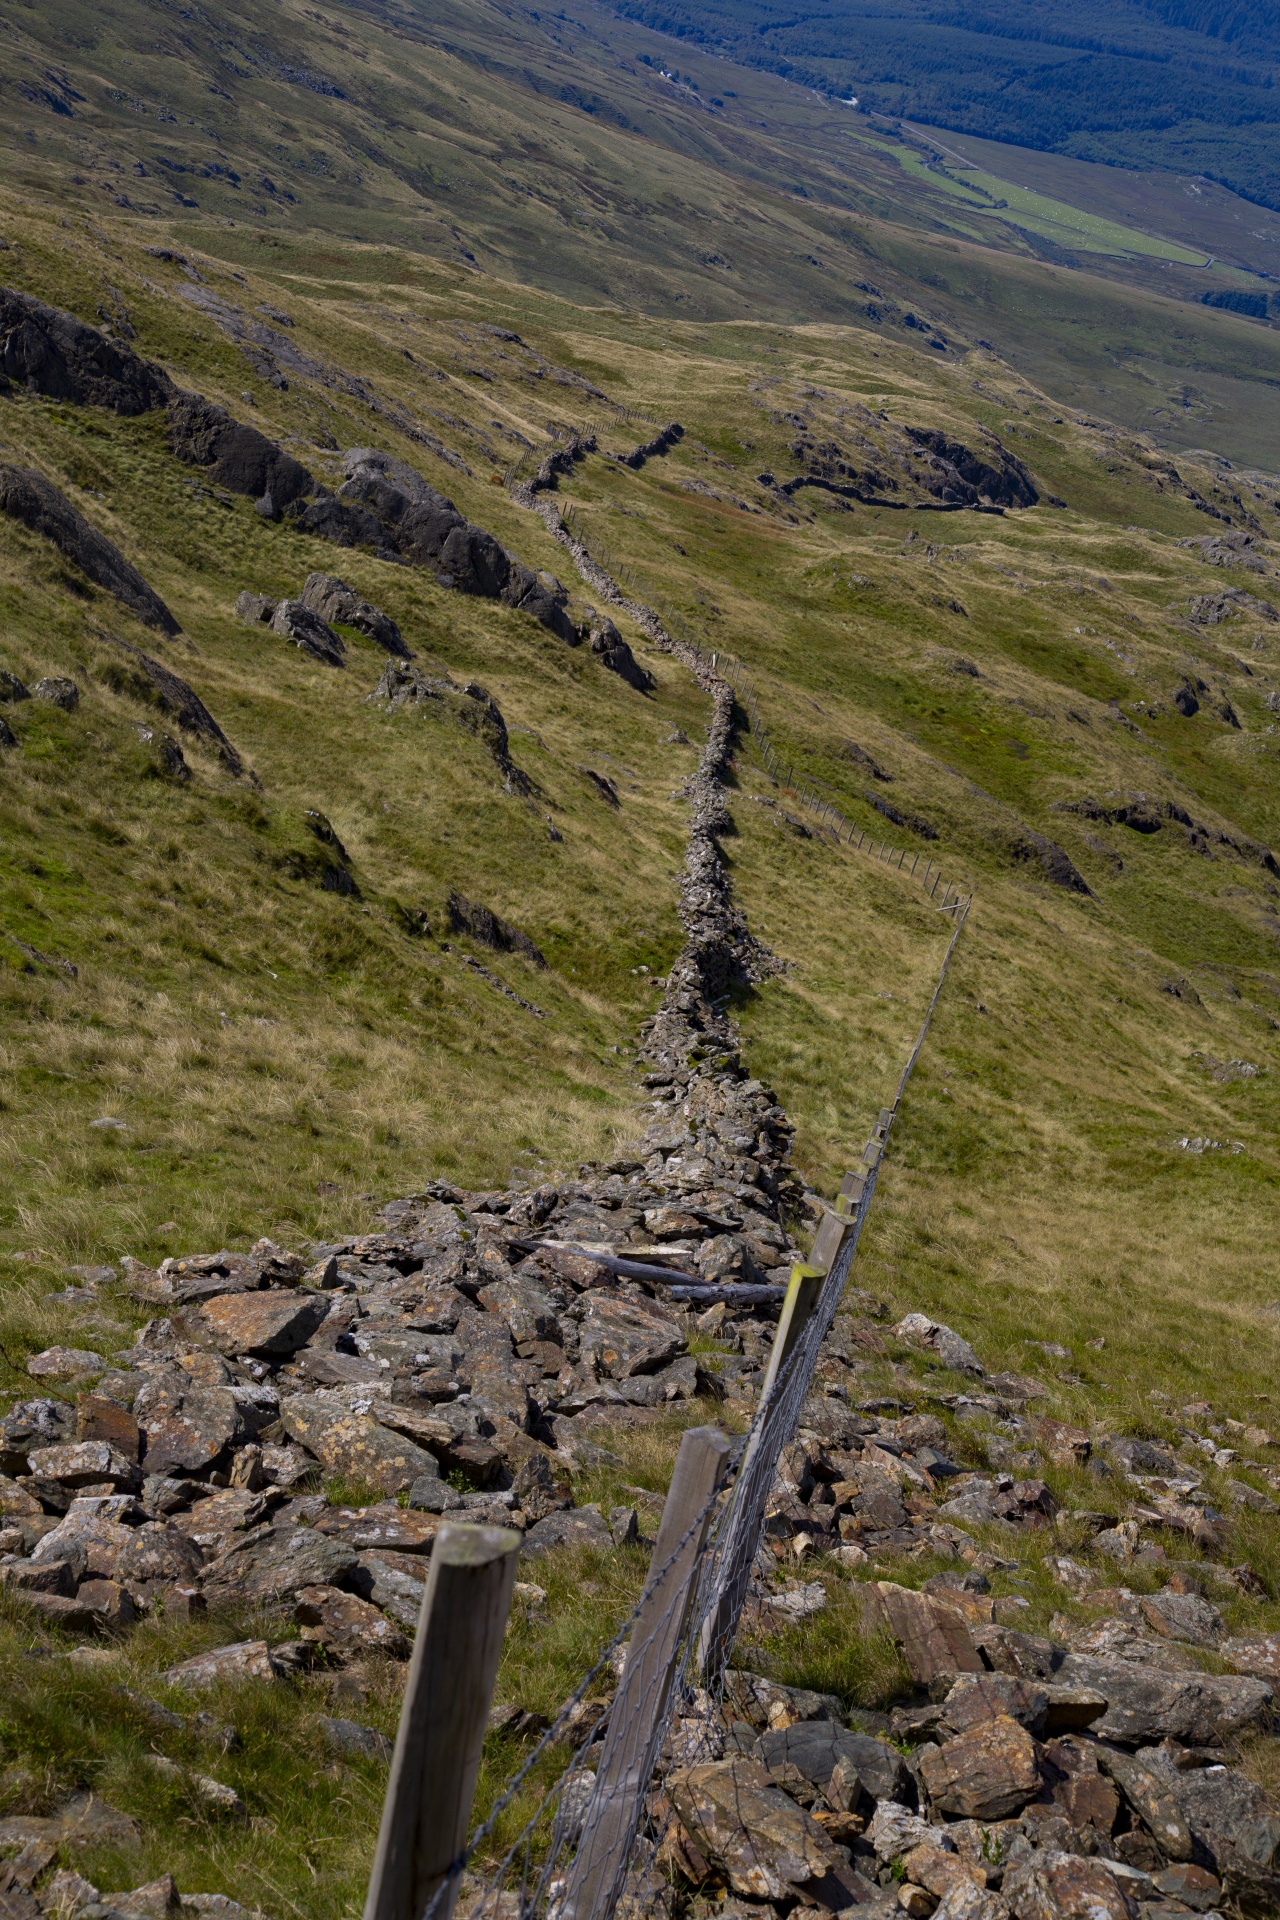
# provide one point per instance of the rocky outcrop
(386, 504)
(37, 503)
(238, 457)
(294, 620)
(613, 652)
(958, 476)
(465, 916)
(52, 353)
(149, 680)
(408, 689)
(662, 442)
(335, 601)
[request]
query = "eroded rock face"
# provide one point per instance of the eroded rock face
(51, 352)
(333, 600)
(30, 498)
(238, 457)
(385, 503)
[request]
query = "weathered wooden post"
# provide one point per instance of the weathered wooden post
(442, 1723)
(639, 1710)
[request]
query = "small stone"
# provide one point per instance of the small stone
(344, 1621)
(350, 1737)
(255, 608)
(355, 1444)
(1259, 1657)
(579, 1527)
(246, 1660)
(978, 1698)
(110, 1603)
(1050, 1885)
(64, 1363)
(101, 1419)
(214, 1793)
(768, 1848)
(624, 1525)
(1184, 1616)
(158, 1899)
(66, 1893)
(58, 691)
(86, 1463)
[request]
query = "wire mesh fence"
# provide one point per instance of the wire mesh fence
(580, 1851)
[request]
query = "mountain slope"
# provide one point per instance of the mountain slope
(1182, 88)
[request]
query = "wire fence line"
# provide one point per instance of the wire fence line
(947, 894)
(581, 1852)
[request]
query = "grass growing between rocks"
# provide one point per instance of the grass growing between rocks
(281, 1059)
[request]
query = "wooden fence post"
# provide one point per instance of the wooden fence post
(442, 1722)
(640, 1707)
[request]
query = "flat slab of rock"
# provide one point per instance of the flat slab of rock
(1184, 1616)
(1146, 1704)
(808, 1753)
(355, 1443)
(331, 1618)
(578, 1527)
(933, 1637)
(1259, 1657)
(271, 1324)
(86, 1463)
(264, 1568)
(625, 1335)
(1048, 1885)
(245, 1660)
(986, 1774)
(386, 1526)
(64, 1363)
(186, 1425)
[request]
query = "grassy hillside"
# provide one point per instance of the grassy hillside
(602, 160)
(1178, 87)
(205, 1041)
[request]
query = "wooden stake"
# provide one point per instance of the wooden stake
(622, 1777)
(442, 1723)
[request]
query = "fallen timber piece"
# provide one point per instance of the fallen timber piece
(745, 1295)
(625, 1269)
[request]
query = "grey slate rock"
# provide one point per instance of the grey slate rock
(308, 632)
(577, 1527)
(241, 459)
(811, 1748)
(333, 600)
(30, 498)
(51, 352)
(349, 1737)
(58, 692)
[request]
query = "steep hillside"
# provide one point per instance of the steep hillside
(347, 860)
(605, 162)
(1137, 85)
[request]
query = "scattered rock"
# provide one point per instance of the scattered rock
(335, 602)
(58, 692)
(293, 620)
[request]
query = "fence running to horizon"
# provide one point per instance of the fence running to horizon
(580, 1849)
(830, 819)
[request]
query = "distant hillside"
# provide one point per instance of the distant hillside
(1144, 83)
